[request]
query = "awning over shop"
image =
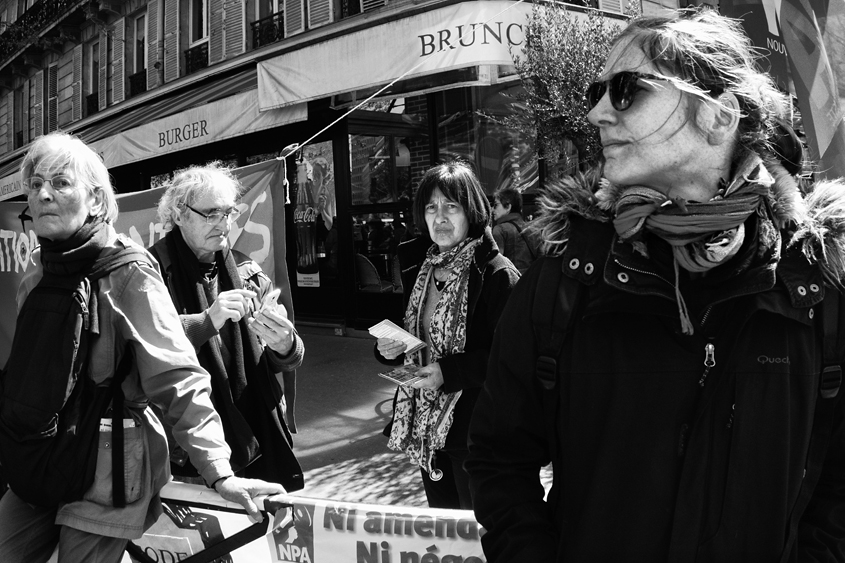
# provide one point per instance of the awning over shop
(134, 115)
(454, 37)
(223, 119)
(219, 111)
(174, 103)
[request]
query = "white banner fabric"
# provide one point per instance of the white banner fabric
(458, 36)
(312, 530)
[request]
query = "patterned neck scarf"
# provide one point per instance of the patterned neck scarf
(702, 235)
(422, 417)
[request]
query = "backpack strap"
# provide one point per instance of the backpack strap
(102, 267)
(830, 381)
(527, 242)
(555, 303)
(117, 458)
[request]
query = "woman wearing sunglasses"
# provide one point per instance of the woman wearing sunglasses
(679, 385)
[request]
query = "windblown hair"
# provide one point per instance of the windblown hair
(191, 184)
(60, 151)
(712, 55)
(459, 183)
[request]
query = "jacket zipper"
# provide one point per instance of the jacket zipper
(709, 361)
(658, 276)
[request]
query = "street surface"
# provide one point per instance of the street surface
(342, 405)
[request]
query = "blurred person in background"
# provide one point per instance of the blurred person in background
(509, 229)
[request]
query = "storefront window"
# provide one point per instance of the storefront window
(471, 128)
(381, 169)
(375, 239)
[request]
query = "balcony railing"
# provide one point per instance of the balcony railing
(268, 30)
(196, 58)
(29, 27)
(92, 103)
(138, 83)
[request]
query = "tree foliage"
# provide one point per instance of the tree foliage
(564, 52)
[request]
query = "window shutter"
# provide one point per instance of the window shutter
(235, 28)
(216, 32)
(294, 17)
(153, 25)
(320, 12)
(12, 13)
(6, 121)
(614, 6)
(370, 5)
(25, 110)
(104, 67)
(172, 54)
(52, 98)
(37, 98)
(118, 75)
(76, 101)
(10, 121)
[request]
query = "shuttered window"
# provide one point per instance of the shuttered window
(294, 17)
(172, 52)
(118, 62)
(36, 93)
(52, 99)
(76, 84)
(154, 64)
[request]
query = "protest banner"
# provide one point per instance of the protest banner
(311, 530)
(801, 41)
(259, 233)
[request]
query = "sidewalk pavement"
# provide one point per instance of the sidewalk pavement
(342, 406)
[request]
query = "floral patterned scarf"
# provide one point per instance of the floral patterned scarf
(422, 417)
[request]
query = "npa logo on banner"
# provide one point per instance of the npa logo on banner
(256, 234)
(306, 530)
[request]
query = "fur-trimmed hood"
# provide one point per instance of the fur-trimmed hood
(815, 222)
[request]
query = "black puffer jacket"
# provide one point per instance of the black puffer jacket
(657, 458)
(490, 283)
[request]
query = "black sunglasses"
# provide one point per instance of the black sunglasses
(623, 87)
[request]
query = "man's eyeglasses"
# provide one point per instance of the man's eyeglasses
(622, 86)
(216, 216)
(61, 184)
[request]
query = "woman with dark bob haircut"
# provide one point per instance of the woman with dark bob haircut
(459, 286)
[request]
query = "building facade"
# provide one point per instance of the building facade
(157, 85)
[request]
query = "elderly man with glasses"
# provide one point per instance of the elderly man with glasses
(229, 310)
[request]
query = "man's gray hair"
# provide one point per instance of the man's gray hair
(191, 184)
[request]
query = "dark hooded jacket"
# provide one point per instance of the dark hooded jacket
(657, 457)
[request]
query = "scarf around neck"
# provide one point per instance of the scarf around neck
(701, 235)
(228, 382)
(76, 253)
(423, 417)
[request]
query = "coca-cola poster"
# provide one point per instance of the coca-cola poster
(315, 202)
